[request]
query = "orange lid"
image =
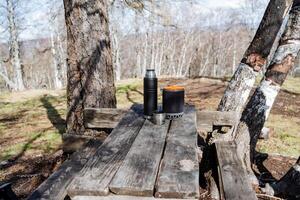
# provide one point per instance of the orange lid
(174, 88)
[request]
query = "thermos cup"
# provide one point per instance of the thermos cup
(150, 93)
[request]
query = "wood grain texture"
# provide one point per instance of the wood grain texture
(207, 119)
(96, 175)
(233, 175)
(119, 197)
(179, 172)
(137, 175)
(54, 188)
(102, 117)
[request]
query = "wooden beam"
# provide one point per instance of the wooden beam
(55, 187)
(179, 172)
(207, 119)
(96, 175)
(232, 173)
(102, 117)
(137, 175)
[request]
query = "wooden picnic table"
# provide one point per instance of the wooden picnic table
(141, 160)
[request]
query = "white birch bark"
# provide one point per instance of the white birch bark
(258, 109)
(145, 54)
(14, 47)
(4, 75)
(238, 90)
(56, 72)
(116, 56)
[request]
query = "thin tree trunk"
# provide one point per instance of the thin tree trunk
(145, 54)
(254, 59)
(90, 69)
(4, 75)
(62, 58)
(14, 47)
(56, 64)
(258, 109)
(116, 60)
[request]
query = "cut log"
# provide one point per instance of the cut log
(102, 117)
(137, 175)
(179, 172)
(55, 186)
(233, 175)
(96, 175)
(238, 89)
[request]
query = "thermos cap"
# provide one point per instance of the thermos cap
(150, 73)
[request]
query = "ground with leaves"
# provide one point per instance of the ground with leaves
(32, 122)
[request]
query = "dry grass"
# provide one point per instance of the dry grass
(32, 122)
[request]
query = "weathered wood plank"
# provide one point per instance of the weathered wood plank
(137, 175)
(207, 119)
(96, 175)
(54, 188)
(102, 117)
(179, 172)
(119, 197)
(232, 172)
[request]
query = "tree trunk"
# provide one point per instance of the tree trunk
(14, 47)
(116, 55)
(4, 75)
(56, 64)
(90, 71)
(259, 107)
(239, 88)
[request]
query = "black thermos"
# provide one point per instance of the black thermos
(150, 93)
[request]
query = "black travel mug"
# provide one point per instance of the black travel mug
(150, 93)
(173, 101)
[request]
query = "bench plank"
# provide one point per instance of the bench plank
(54, 187)
(118, 197)
(207, 119)
(102, 117)
(233, 175)
(179, 172)
(96, 175)
(137, 175)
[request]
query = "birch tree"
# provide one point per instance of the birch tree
(5, 77)
(56, 42)
(90, 69)
(17, 82)
(259, 106)
(238, 89)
